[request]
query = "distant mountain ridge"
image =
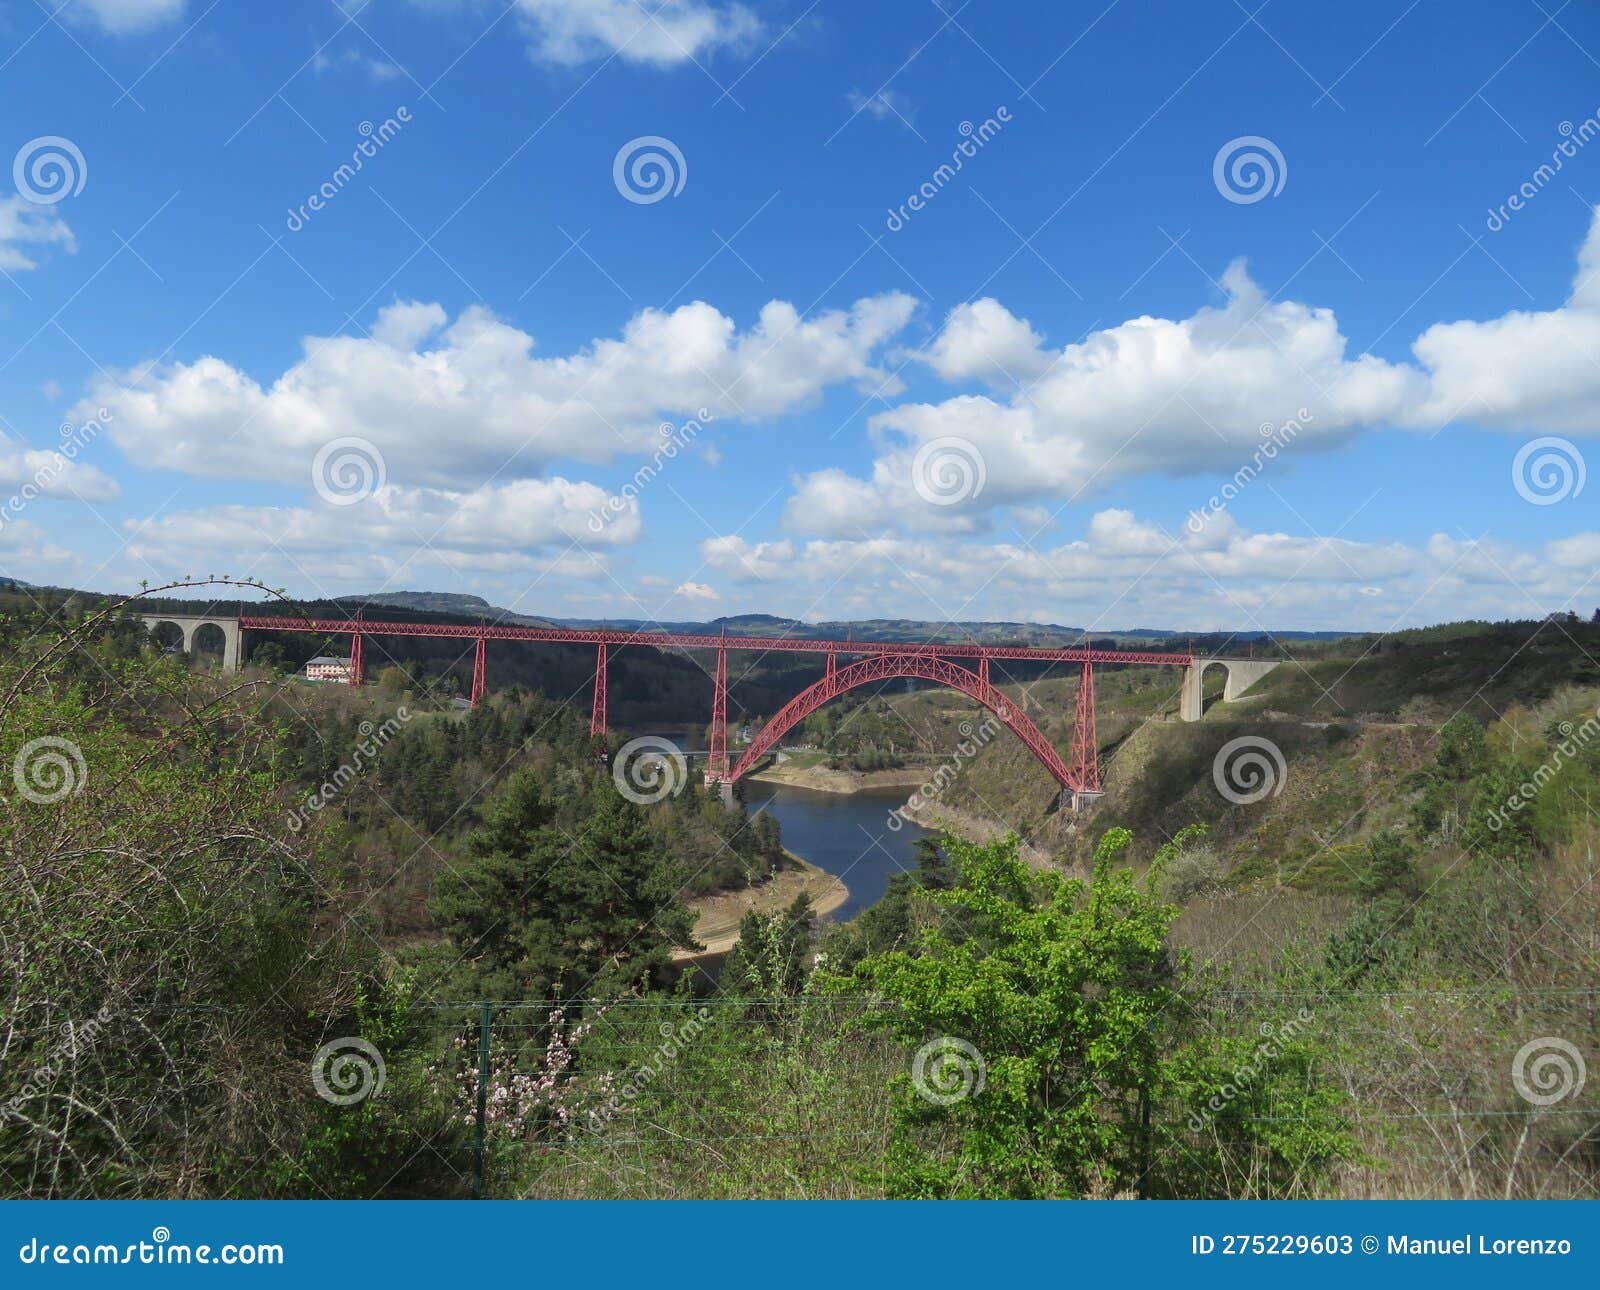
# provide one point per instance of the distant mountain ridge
(455, 603)
(1047, 635)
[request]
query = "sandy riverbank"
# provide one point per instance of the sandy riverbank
(825, 779)
(719, 916)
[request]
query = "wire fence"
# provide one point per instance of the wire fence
(651, 1095)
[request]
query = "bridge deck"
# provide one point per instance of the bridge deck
(674, 640)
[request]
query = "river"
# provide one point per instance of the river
(847, 834)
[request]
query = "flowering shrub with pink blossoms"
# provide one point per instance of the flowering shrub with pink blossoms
(531, 1093)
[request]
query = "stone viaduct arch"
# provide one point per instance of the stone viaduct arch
(1242, 673)
(190, 624)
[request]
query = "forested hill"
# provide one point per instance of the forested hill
(1047, 635)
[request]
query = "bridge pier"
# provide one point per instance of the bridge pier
(597, 711)
(480, 671)
(717, 762)
(1085, 741)
(1242, 673)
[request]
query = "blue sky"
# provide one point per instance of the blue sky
(1018, 401)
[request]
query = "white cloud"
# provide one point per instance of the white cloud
(694, 591)
(28, 555)
(1152, 395)
(1524, 370)
(984, 341)
(24, 224)
(122, 17)
(1127, 572)
(50, 474)
(376, 69)
(664, 33)
(1195, 395)
(452, 403)
(524, 544)
(884, 104)
(756, 561)
(496, 526)
(1581, 551)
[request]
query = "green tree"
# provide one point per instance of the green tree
(1070, 1034)
(773, 953)
(542, 910)
(1389, 867)
(899, 915)
(1461, 756)
(393, 680)
(172, 952)
(1499, 823)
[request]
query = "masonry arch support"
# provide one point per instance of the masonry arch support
(190, 624)
(1242, 673)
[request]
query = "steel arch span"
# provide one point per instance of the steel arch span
(887, 667)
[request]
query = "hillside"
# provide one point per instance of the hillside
(454, 604)
(1352, 722)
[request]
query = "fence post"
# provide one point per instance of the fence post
(485, 1017)
(1144, 1144)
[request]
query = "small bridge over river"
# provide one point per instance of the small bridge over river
(960, 665)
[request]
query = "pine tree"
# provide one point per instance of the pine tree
(543, 910)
